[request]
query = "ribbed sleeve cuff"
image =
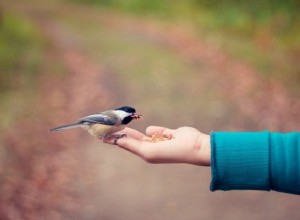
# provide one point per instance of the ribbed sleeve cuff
(240, 160)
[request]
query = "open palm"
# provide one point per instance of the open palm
(187, 145)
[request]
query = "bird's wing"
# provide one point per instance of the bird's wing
(99, 119)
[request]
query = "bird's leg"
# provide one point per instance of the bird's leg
(118, 136)
(115, 136)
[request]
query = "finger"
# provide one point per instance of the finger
(151, 130)
(131, 145)
(133, 133)
(128, 142)
(126, 132)
(150, 152)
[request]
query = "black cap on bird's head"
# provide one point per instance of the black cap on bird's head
(127, 109)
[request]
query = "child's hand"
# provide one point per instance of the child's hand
(164, 145)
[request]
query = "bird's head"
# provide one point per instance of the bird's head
(127, 114)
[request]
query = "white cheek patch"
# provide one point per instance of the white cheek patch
(122, 114)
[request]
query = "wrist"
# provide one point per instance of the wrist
(204, 150)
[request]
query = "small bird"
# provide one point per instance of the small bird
(104, 124)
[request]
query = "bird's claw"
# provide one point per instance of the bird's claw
(115, 136)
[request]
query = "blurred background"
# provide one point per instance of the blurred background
(215, 65)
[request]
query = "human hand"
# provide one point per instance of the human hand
(187, 145)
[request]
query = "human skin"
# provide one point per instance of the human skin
(185, 145)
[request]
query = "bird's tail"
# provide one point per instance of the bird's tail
(64, 127)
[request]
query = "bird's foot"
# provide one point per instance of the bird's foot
(118, 136)
(112, 136)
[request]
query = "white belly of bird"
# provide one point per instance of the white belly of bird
(103, 131)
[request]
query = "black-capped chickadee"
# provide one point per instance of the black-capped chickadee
(103, 124)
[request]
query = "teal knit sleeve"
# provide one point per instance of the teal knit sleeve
(285, 162)
(255, 160)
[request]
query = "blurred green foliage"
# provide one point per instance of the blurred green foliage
(20, 52)
(20, 58)
(136, 6)
(231, 15)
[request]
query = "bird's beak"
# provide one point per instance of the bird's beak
(136, 116)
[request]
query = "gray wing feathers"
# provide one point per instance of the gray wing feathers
(100, 119)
